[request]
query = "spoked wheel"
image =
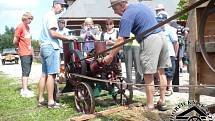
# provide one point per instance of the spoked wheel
(124, 93)
(84, 99)
(208, 12)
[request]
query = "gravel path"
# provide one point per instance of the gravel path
(14, 70)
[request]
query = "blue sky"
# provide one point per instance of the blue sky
(11, 12)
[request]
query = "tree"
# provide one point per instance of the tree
(181, 6)
(35, 44)
(6, 39)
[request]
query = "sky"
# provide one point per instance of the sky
(11, 12)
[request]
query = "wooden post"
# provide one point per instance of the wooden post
(192, 38)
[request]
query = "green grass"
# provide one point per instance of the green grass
(13, 107)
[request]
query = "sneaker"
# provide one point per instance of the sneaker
(27, 93)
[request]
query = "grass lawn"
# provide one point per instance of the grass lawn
(15, 108)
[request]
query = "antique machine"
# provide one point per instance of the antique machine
(87, 76)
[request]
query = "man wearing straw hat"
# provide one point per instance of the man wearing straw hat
(154, 56)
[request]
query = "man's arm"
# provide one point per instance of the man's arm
(176, 47)
(15, 40)
(109, 58)
(57, 35)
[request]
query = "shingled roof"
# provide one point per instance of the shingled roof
(89, 8)
(99, 8)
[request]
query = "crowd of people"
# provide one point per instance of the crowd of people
(152, 54)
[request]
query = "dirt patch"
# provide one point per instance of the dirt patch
(137, 113)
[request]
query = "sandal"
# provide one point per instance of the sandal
(168, 92)
(54, 106)
(42, 104)
(161, 106)
(148, 109)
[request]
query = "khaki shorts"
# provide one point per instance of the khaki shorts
(154, 53)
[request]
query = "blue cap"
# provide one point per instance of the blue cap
(60, 2)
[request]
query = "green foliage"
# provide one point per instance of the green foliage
(35, 44)
(181, 6)
(6, 39)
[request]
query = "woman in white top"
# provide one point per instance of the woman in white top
(111, 33)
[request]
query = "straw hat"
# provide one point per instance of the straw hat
(113, 2)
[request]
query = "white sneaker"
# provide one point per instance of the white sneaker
(26, 93)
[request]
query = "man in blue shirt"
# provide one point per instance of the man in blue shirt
(154, 56)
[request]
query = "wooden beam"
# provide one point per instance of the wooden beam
(101, 113)
(206, 91)
(192, 38)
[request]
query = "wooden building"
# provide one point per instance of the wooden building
(200, 73)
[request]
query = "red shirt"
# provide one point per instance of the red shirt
(24, 41)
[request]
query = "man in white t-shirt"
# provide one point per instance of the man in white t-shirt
(49, 51)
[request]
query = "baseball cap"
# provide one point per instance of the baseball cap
(113, 2)
(60, 2)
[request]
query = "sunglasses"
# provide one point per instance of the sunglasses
(30, 18)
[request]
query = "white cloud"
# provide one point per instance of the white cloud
(18, 4)
(11, 7)
(11, 10)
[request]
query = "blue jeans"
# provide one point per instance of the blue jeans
(169, 72)
(50, 59)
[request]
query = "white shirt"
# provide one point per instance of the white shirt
(49, 21)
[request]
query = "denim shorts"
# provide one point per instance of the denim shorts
(50, 59)
(26, 62)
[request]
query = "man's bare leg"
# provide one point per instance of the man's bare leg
(42, 84)
(148, 78)
(50, 88)
(163, 84)
(24, 83)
